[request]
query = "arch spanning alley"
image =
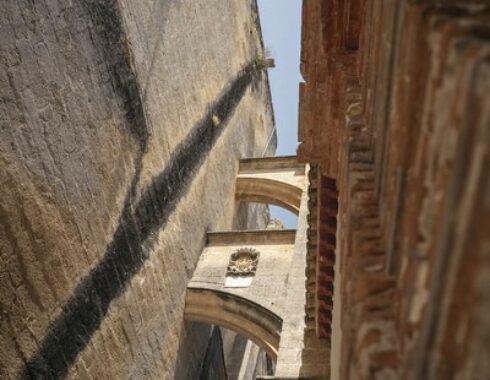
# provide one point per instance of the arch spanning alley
(256, 300)
(276, 180)
(243, 316)
(262, 190)
(250, 310)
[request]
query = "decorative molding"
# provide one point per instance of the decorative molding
(393, 103)
(243, 262)
(322, 230)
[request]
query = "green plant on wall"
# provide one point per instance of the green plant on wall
(264, 61)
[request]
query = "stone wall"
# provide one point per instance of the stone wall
(395, 108)
(121, 128)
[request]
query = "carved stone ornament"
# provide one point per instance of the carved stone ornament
(243, 262)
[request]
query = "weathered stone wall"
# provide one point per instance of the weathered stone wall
(121, 128)
(395, 107)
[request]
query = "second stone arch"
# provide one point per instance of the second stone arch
(278, 181)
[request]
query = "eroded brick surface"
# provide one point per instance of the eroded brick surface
(393, 108)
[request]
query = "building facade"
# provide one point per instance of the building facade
(394, 112)
(136, 169)
(122, 124)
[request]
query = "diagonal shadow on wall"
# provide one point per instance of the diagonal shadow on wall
(84, 312)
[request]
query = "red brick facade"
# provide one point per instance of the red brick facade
(395, 109)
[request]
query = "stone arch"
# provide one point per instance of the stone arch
(239, 314)
(265, 190)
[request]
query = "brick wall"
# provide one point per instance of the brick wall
(394, 108)
(112, 170)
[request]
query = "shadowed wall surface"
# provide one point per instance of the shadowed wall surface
(395, 109)
(121, 128)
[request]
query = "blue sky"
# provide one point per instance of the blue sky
(281, 29)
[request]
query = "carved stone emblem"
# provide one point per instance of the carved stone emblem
(243, 262)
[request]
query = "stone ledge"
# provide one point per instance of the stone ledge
(281, 162)
(264, 237)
